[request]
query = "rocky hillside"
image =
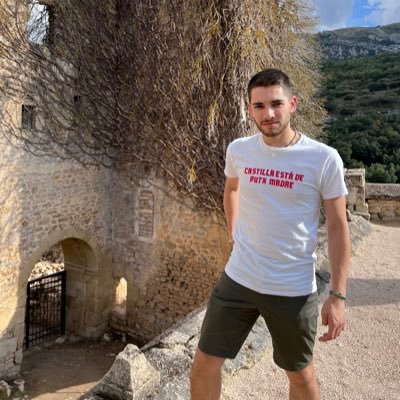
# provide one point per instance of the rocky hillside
(349, 43)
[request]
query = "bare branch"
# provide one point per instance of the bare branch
(158, 83)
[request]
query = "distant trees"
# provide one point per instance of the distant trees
(364, 106)
(381, 173)
(160, 84)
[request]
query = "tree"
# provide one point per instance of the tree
(160, 84)
(380, 173)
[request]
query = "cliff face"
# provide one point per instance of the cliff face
(348, 43)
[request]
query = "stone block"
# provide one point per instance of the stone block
(353, 195)
(361, 207)
(174, 366)
(174, 338)
(8, 347)
(355, 177)
(5, 390)
(366, 215)
(131, 377)
(18, 357)
(382, 191)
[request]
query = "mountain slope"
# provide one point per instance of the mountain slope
(348, 43)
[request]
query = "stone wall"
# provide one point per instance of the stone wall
(383, 200)
(169, 253)
(355, 182)
(110, 226)
(375, 201)
(43, 202)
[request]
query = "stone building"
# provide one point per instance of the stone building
(136, 255)
(110, 229)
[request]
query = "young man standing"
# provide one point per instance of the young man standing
(274, 184)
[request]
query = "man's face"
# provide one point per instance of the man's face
(271, 108)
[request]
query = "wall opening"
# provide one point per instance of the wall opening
(40, 27)
(118, 319)
(45, 298)
(28, 117)
(88, 289)
(51, 261)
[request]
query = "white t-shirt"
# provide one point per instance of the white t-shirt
(280, 194)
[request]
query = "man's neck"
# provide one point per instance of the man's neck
(285, 139)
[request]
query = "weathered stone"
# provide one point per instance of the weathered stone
(5, 390)
(365, 215)
(174, 367)
(253, 348)
(323, 277)
(382, 191)
(19, 384)
(131, 377)
(175, 339)
(18, 356)
(8, 347)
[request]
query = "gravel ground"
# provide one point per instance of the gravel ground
(364, 362)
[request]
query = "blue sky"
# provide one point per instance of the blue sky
(336, 14)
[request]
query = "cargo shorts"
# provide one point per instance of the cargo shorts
(233, 310)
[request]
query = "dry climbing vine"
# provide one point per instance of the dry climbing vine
(160, 84)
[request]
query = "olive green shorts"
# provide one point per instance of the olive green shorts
(233, 309)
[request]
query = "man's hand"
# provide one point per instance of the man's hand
(333, 315)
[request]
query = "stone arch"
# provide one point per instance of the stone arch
(89, 280)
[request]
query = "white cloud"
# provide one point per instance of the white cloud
(384, 11)
(334, 14)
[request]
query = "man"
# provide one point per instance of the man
(274, 184)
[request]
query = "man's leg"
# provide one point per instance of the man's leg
(205, 377)
(303, 384)
(228, 320)
(292, 323)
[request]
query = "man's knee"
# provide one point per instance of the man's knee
(206, 364)
(303, 377)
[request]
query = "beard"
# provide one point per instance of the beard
(271, 131)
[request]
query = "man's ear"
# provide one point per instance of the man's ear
(293, 104)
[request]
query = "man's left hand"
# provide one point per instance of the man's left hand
(333, 316)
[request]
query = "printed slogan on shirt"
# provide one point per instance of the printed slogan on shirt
(273, 177)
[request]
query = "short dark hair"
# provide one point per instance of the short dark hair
(269, 77)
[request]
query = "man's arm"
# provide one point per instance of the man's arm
(333, 310)
(231, 204)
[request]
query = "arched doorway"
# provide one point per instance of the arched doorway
(46, 298)
(89, 286)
